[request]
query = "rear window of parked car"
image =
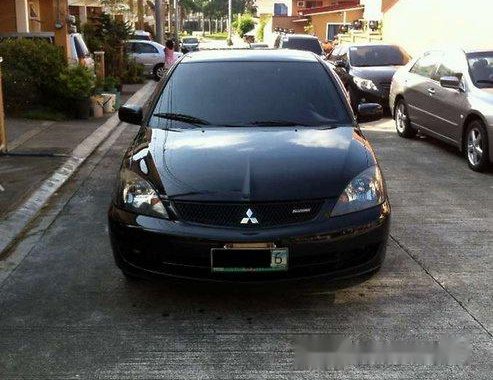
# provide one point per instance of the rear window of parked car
(242, 93)
(308, 44)
(378, 55)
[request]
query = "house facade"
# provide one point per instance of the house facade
(32, 16)
(420, 24)
(85, 10)
(414, 24)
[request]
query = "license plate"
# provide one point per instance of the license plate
(249, 259)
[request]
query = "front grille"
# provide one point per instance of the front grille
(232, 214)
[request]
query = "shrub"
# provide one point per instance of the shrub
(133, 73)
(77, 82)
(111, 83)
(31, 73)
(243, 24)
(261, 28)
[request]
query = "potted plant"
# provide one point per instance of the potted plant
(78, 83)
(112, 86)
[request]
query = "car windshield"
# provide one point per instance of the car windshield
(190, 41)
(308, 44)
(481, 68)
(378, 55)
(249, 94)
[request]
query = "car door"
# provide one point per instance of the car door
(447, 105)
(146, 54)
(420, 87)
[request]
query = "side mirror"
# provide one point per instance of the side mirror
(131, 114)
(340, 64)
(450, 82)
(369, 112)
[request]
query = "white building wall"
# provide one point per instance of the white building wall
(266, 7)
(420, 24)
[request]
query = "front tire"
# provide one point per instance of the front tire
(159, 72)
(476, 146)
(402, 120)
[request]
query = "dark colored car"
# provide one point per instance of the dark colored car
(367, 70)
(189, 44)
(448, 94)
(304, 42)
(281, 186)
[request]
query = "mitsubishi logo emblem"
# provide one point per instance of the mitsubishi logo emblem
(249, 218)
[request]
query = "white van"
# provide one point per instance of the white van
(78, 51)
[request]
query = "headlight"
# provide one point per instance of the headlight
(138, 195)
(366, 190)
(365, 84)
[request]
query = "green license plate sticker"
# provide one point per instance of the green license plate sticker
(278, 263)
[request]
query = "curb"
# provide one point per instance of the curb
(16, 222)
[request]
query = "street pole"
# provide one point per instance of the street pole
(3, 132)
(177, 36)
(230, 22)
(159, 21)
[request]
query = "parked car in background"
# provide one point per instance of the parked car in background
(189, 44)
(78, 53)
(448, 94)
(228, 190)
(150, 54)
(299, 42)
(142, 35)
(258, 45)
(366, 70)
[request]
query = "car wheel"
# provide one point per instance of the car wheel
(476, 144)
(402, 121)
(159, 72)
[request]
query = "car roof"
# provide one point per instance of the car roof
(249, 55)
(460, 48)
(146, 42)
(477, 50)
(364, 44)
(300, 36)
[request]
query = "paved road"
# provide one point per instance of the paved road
(67, 312)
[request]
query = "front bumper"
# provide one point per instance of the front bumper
(340, 247)
(381, 96)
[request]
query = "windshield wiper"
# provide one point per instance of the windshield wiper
(182, 117)
(484, 81)
(323, 127)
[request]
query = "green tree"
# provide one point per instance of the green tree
(243, 24)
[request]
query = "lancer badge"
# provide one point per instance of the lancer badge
(249, 218)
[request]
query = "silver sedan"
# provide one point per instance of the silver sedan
(448, 94)
(150, 54)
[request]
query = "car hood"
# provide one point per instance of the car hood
(376, 73)
(250, 164)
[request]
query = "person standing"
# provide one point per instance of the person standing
(170, 55)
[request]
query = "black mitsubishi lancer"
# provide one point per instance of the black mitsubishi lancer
(249, 166)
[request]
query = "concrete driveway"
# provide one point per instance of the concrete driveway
(67, 312)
